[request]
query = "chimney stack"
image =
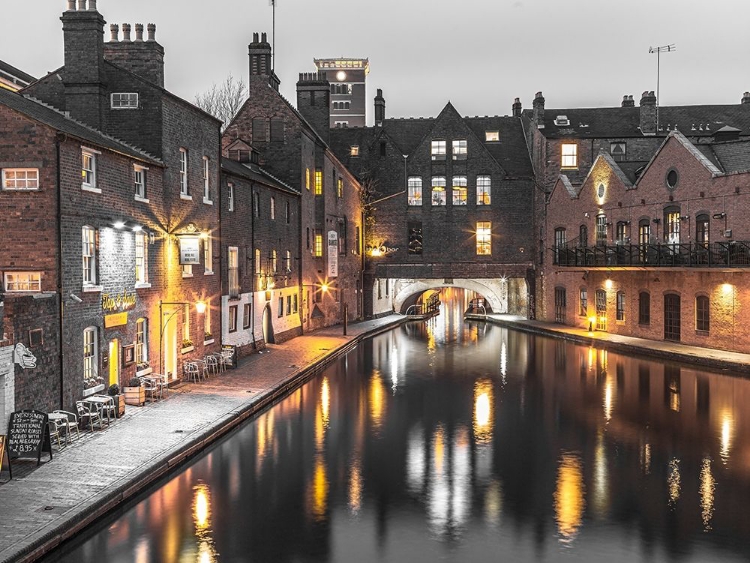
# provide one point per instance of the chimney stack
(126, 32)
(628, 101)
(538, 110)
(745, 98)
(114, 32)
(259, 52)
(139, 32)
(648, 113)
(144, 58)
(151, 32)
(71, 5)
(517, 108)
(379, 108)
(313, 101)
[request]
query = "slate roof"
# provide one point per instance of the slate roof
(15, 75)
(38, 111)
(693, 121)
(510, 152)
(255, 173)
(732, 156)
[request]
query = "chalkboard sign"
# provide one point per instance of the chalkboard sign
(3, 455)
(28, 435)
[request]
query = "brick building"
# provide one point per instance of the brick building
(260, 220)
(348, 79)
(292, 144)
(451, 200)
(137, 227)
(661, 254)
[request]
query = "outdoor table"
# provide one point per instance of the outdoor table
(100, 402)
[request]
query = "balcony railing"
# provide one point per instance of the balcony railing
(733, 254)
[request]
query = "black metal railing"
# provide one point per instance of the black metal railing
(693, 255)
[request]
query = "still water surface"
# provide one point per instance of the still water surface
(456, 441)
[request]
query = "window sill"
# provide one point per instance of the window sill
(144, 372)
(701, 332)
(92, 189)
(187, 275)
(144, 285)
(207, 201)
(209, 341)
(92, 288)
(141, 199)
(188, 349)
(93, 390)
(186, 197)
(208, 273)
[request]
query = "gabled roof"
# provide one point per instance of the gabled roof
(694, 121)
(14, 75)
(38, 111)
(572, 190)
(255, 173)
(610, 162)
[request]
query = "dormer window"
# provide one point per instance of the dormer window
(618, 150)
(491, 136)
(562, 120)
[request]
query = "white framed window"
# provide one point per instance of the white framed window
(459, 149)
(354, 151)
(141, 258)
(460, 190)
(206, 181)
(437, 150)
(187, 270)
(569, 154)
(90, 352)
(141, 340)
(208, 254)
(139, 180)
(491, 136)
(438, 191)
(233, 318)
(185, 324)
(484, 190)
(20, 179)
(230, 197)
(184, 172)
(247, 310)
(88, 254)
(23, 282)
(273, 208)
(233, 272)
(415, 190)
(88, 169)
(484, 238)
(124, 100)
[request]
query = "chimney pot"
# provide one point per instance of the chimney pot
(151, 32)
(114, 31)
(516, 108)
(126, 32)
(92, 5)
(81, 4)
(745, 98)
(255, 38)
(263, 38)
(139, 32)
(71, 5)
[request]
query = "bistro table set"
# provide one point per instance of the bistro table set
(211, 364)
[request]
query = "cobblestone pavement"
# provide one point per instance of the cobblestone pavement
(42, 506)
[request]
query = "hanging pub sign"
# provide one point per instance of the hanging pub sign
(190, 250)
(333, 254)
(123, 301)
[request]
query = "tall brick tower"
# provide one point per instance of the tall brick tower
(348, 90)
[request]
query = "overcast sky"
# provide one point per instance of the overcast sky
(479, 54)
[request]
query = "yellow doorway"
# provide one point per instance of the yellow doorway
(114, 362)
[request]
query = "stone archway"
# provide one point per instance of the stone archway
(507, 295)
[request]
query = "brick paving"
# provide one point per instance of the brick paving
(42, 506)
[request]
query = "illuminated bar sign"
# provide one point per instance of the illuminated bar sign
(118, 319)
(333, 254)
(118, 301)
(189, 250)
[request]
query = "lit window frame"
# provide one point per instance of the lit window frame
(90, 353)
(208, 254)
(491, 136)
(484, 190)
(460, 191)
(140, 182)
(318, 181)
(88, 255)
(184, 188)
(22, 179)
(22, 282)
(484, 238)
(438, 195)
(569, 156)
(141, 258)
(414, 188)
(459, 149)
(88, 169)
(437, 149)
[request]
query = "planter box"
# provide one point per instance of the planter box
(119, 405)
(135, 396)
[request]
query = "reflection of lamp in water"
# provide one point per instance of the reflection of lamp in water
(201, 506)
(673, 481)
(483, 395)
(569, 496)
(708, 484)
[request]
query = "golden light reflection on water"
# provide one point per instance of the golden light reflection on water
(325, 401)
(601, 478)
(673, 481)
(569, 496)
(707, 487)
(503, 361)
(319, 493)
(355, 487)
(377, 401)
(493, 503)
(608, 397)
(202, 522)
(483, 411)
(727, 432)
(265, 428)
(646, 458)
(438, 450)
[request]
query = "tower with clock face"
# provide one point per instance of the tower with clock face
(348, 95)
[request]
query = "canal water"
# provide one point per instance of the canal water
(462, 441)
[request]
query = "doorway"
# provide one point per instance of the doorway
(672, 317)
(114, 361)
(169, 341)
(267, 325)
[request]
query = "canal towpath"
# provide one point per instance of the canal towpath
(47, 505)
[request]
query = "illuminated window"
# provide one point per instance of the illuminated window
(484, 238)
(288, 261)
(569, 155)
(484, 190)
(88, 166)
(702, 313)
(601, 230)
(273, 208)
(258, 268)
(23, 281)
(460, 191)
(141, 340)
(206, 181)
(318, 251)
(139, 179)
(124, 100)
(672, 226)
(184, 172)
(490, 136)
(90, 353)
(307, 178)
(274, 262)
(620, 306)
(415, 190)
(354, 150)
(583, 302)
(459, 149)
(621, 233)
(208, 254)
(438, 190)
(233, 271)
(340, 187)
(88, 253)
(318, 182)
(187, 271)
(141, 258)
(437, 150)
(186, 324)
(20, 178)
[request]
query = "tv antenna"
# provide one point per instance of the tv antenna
(658, 50)
(273, 33)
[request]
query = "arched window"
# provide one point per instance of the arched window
(672, 225)
(620, 303)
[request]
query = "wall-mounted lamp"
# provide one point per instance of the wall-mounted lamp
(656, 220)
(118, 224)
(684, 217)
(75, 298)
(200, 306)
(719, 215)
(586, 215)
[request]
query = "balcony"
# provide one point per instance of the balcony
(730, 254)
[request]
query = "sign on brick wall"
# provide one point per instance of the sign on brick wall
(333, 254)
(189, 250)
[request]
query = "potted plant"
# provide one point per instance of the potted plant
(208, 338)
(135, 393)
(187, 345)
(114, 392)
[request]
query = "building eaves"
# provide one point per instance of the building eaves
(572, 191)
(610, 162)
(15, 75)
(255, 173)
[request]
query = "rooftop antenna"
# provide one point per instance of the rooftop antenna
(273, 32)
(658, 50)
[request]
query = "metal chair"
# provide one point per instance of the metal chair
(152, 390)
(192, 372)
(54, 432)
(211, 364)
(70, 426)
(92, 415)
(226, 360)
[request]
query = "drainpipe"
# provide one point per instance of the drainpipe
(61, 306)
(252, 270)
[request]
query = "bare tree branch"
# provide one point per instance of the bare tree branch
(224, 100)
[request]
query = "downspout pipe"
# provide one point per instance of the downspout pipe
(61, 306)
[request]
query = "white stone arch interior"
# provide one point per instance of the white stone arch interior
(495, 291)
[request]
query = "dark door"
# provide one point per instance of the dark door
(672, 317)
(560, 305)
